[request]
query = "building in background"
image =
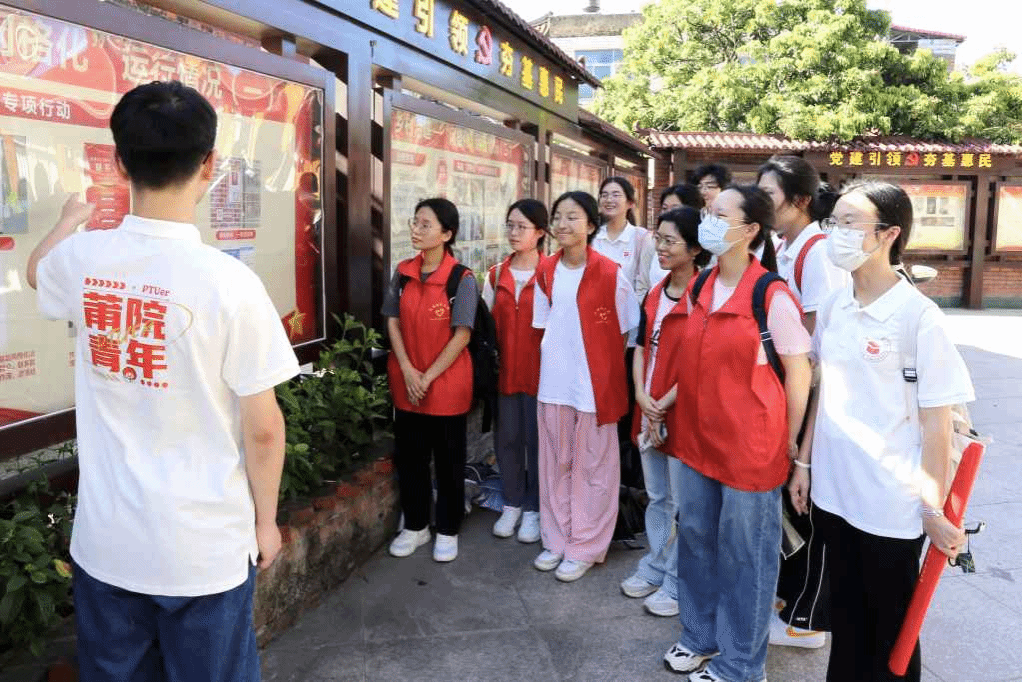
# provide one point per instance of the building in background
(943, 45)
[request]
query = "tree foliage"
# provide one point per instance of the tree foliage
(809, 69)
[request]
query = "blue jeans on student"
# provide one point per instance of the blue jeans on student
(662, 474)
(125, 636)
(728, 557)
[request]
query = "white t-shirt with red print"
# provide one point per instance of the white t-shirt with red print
(170, 332)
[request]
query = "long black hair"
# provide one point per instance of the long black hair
(627, 188)
(535, 212)
(893, 208)
(588, 204)
(446, 213)
(686, 221)
(758, 207)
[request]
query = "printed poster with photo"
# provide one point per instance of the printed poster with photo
(59, 83)
(1009, 218)
(481, 173)
(938, 213)
(569, 174)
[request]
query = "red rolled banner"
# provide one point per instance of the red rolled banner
(933, 565)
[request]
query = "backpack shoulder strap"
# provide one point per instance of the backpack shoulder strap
(800, 261)
(454, 281)
(697, 287)
(759, 312)
(908, 346)
(402, 280)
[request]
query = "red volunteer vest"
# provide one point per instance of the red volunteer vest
(731, 421)
(601, 331)
(426, 329)
(663, 373)
(517, 339)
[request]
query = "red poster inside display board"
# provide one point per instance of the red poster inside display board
(59, 83)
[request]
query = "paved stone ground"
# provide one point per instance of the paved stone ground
(490, 616)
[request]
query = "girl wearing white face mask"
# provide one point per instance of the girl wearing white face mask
(733, 427)
(879, 433)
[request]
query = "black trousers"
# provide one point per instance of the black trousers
(631, 461)
(417, 439)
(804, 580)
(871, 584)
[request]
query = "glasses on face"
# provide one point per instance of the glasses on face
(707, 186)
(827, 225)
(419, 227)
(668, 242)
(518, 227)
(612, 195)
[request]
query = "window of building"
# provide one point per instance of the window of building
(600, 63)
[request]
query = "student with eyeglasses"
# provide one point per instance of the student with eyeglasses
(585, 306)
(671, 198)
(710, 179)
(734, 427)
(661, 314)
(430, 373)
(803, 613)
(878, 438)
(509, 291)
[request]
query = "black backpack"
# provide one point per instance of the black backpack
(482, 347)
(759, 312)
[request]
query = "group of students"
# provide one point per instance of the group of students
(763, 378)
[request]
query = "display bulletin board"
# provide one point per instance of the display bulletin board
(59, 82)
(1008, 228)
(639, 183)
(568, 173)
(939, 213)
(480, 171)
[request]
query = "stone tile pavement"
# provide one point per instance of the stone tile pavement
(490, 616)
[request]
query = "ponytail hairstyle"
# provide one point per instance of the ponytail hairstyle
(823, 204)
(686, 220)
(535, 212)
(893, 207)
(588, 204)
(758, 207)
(796, 177)
(447, 214)
(627, 188)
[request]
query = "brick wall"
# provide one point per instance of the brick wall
(661, 181)
(324, 541)
(1002, 286)
(948, 289)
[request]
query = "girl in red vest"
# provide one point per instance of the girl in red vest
(663, 311)
(586, 308)
(508, 291)
(733, 428)
(430, 374)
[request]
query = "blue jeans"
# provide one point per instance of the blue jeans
(662, 474)
(728, 557)
(125, 636)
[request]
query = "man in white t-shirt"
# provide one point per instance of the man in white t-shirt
(180, 439)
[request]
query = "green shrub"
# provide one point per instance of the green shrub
(335, 416)
(35, 576)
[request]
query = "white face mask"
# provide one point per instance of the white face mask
(711, 235)
(844, 246)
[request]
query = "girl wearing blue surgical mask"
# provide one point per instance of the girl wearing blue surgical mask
(734, 427)
(878, 437)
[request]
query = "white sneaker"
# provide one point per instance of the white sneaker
(547, 560)
(782, 634)
(705, 675)
(637, 587)
(661, 604)
(505, 526)
(408, 541)
(678, 659)
(445, 548)
(571, 570)
(528, 532)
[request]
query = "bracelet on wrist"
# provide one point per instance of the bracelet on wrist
(802, 465)
(931, 512)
